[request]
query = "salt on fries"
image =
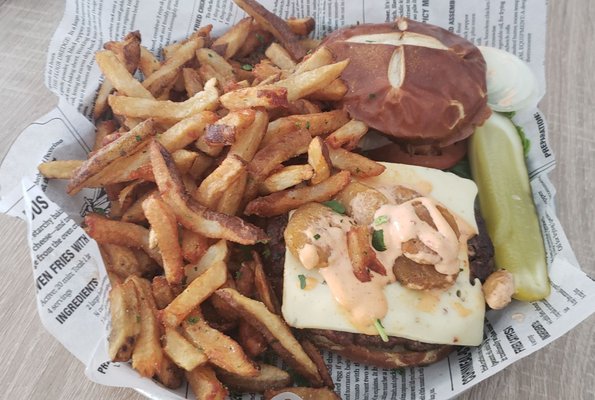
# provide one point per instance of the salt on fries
(184, 155)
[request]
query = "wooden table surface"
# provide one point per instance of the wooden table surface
(35, 366)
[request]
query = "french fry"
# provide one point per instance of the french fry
(220, 180)
(316, 124)
(348, 135)
(270, 156)
(301, 26)
(265, 69)
(121, 260)
(127, 51)
(216, 253)
(268, 378)
(163, 223)
(264, 291)
(247, 143)
(321, 57)
(279, 56)
(147, 265)
(333, 92)
(166, 110)
(169, 374)
(244, 279)
(192, 215)
(125, 312)
(318, 158)
(147, 355)
(220, 349)
(260, 96)
(169, 50)
(314, 354)
(59, 169)
(281, 202)
(147, 64)
(286, 178)
(303, 106)
(362, 256)
(358, 165)
(225, 131)
(181, 351)
(252, 341)
(205, 384)
(275, 25)
(162, 292)
(158, 81)
(192, 81)
(104, 230)
(304, 393)
(127, 195)
(310, 44)
(232, 40)
(200, 166)
(258, 39)
(103, 128)
(306, 83)
(135, 212)
(100, 106)
(126, 144)
(219, 64)
(231, 199)
(275, 330)
(119, 77)
(193, 245)
(194, 294)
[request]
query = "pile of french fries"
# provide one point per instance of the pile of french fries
(220, 130)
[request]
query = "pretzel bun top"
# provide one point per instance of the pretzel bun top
(417, 83)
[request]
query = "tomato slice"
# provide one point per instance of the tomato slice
(423, 156)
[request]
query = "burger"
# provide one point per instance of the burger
(421, 86)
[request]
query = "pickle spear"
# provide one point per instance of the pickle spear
(499, 170)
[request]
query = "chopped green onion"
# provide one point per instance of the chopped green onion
(138, 138)
(335, 206)
(383, 219)
(302, 279)
(247, 67)
(307, 124)
(380, 329)
(192, 320)
(378, 240)
(316, 237)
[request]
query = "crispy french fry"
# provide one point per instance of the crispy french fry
(304, 393)
(285, 147)
(192, 81)
(275, 25)
(147, 64)
(161, 78)
(166, 110)
(219, 64)
(169, 374)
(265, 69)
(162, 292)
(231, 199)
(205, 384)
(194, 245)
(100, 106)
(314, 354)
(128, 193)
(147, 355)
(302, 107)
(281, 202)
(252, 341)
(232, 40)
(306, 83)
(220, 180)
(125, 312)
(135, 212)
(194, 294)
(279, 56)
(310, 44)
(321, 57)
(333, 92)
(319, 159)
(163, 223)
(316, 124)
(286, 178)
(275, 330)
(301, 26)
(348, 135)
(181, 351)
(192, 215)
(225, 131)
(169, 50)
(358, 165)
(59, 169)
(121, 260)
(258, 39)
(104, 230)
(260, 96)
(128, 50)
(103, 128)
(216, 253)
(247, 143)
(268, 378)
(119, 77)
(200, 166)
(362, 256)
(123, 146)
(244, 279)
(147, 265)
(264, 291)
(220, 349)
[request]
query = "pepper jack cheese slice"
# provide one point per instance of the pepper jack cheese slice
(453, 316)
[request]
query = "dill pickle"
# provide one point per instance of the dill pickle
(499, 170)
